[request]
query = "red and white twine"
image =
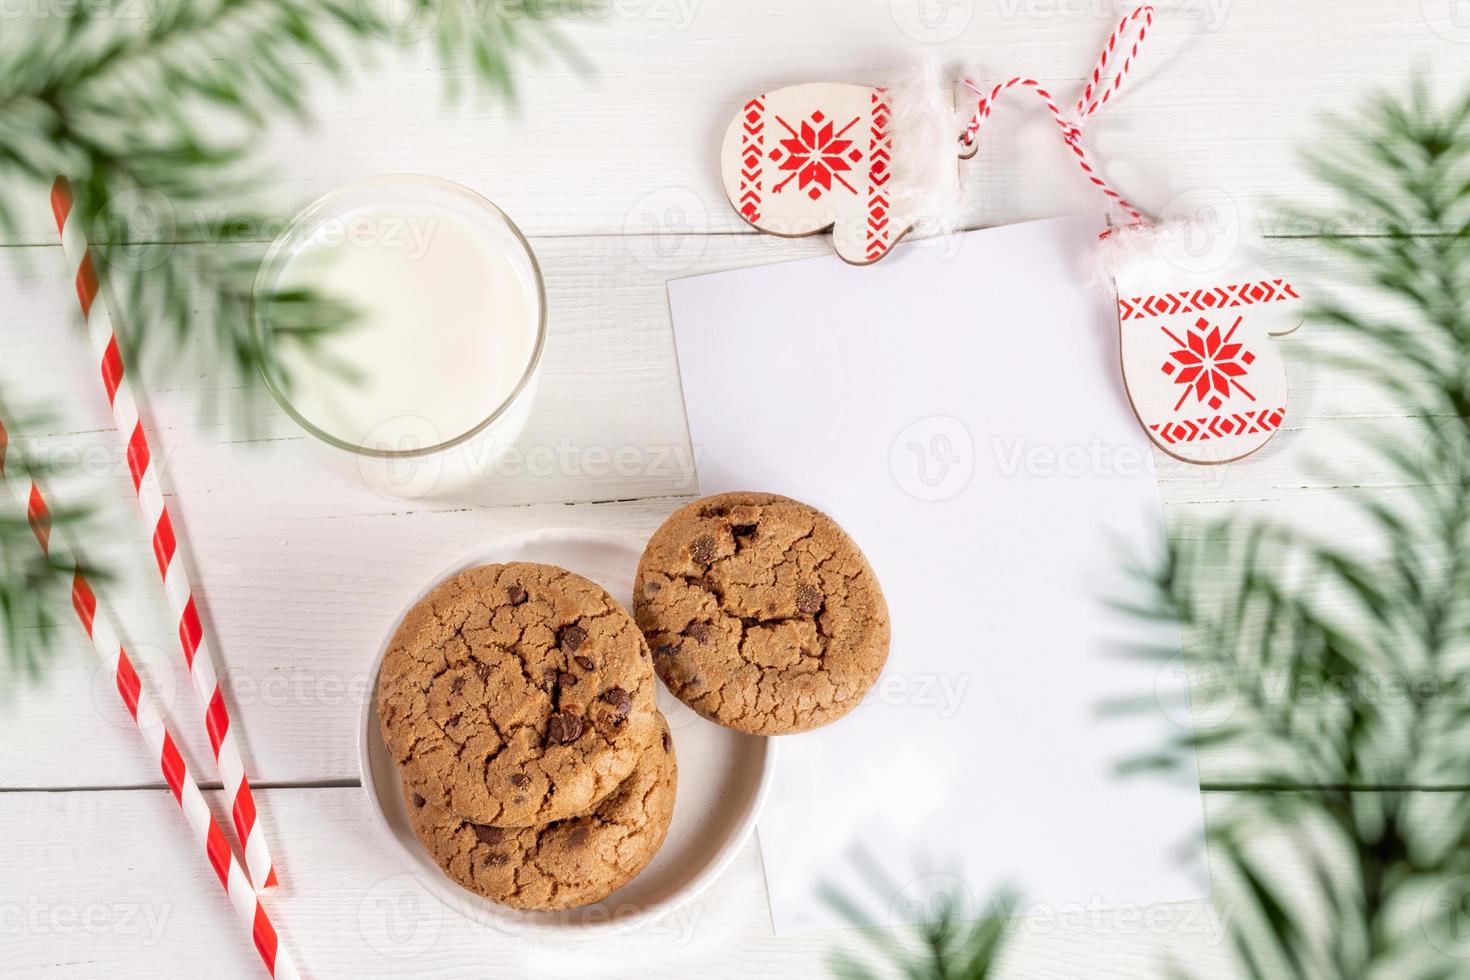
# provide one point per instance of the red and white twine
(145, 473)
(1094, 96)
(155, 734)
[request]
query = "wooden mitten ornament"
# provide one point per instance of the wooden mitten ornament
(867, 162)
(872, 163)
(1200, 361)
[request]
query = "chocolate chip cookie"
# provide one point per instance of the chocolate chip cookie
(566, 864)
(762, 614)
(514, 695)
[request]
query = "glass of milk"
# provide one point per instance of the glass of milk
(436, 367)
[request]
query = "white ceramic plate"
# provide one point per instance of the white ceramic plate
(724, 776)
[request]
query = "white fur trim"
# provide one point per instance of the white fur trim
(926, 164)
(1130, 248)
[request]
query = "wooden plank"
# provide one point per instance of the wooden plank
(303, 567)
(1221, 102)
(298, 610)
(610, 387)
(110, 883)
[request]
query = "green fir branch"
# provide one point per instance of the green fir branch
(1272, 612)
(949, 941)
(157, 124)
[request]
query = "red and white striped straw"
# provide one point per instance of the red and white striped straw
(145, 472)
(155, 734)
(1139, 21)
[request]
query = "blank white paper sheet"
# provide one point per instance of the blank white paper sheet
(958, 407)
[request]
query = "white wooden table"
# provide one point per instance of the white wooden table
(613, 176)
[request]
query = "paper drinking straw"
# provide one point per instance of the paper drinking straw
(150, 725)
(145, 472)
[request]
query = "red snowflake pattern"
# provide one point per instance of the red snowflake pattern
(816, 155)
(1208, 364)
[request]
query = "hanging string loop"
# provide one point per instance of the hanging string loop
(1121, 49)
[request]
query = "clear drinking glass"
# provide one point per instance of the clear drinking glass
(443, 356)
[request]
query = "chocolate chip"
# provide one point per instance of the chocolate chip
(652, 587)
(483, 670)
(619, 700)
(456, 685)
(665, 650)
(496, 860)
(667, 741)
(552, 676)
(577, 838)
(455, 720)
(698, 632)
(584, 662)
(571, 637)
(488, 835)
(566, 680)
(702, 549)
(808, 600)
(418, 802)
(515, 594)
(520, 779)
(564, 728)
(743, 530)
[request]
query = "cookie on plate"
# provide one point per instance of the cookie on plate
(517, 694)
(762, 614)
(566, 864)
